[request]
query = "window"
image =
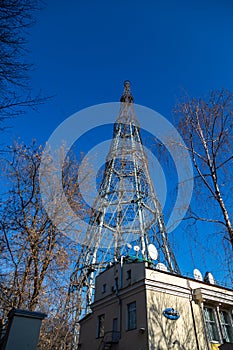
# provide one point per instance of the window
(116, 283)
(131, 316)
(128, 274)
(226, 325)
(115, 325)
(104, 288)
(214, 324)
(100, 331)
(115, 287)
(115, 332)
(211, 324)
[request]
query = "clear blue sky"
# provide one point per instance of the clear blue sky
(84, 50)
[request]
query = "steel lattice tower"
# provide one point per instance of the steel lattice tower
(125, 211)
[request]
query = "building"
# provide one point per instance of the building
(137, 306)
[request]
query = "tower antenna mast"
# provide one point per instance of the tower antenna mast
(125, 211)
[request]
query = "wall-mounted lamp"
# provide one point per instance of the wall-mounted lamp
(142, 330)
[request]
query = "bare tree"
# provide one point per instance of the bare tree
(15, 18)
(36, 258)
(207, 128)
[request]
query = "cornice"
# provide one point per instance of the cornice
(164, 287)
(212, 295)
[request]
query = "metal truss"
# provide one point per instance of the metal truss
(126, 210)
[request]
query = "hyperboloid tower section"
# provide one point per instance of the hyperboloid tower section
(127, 221)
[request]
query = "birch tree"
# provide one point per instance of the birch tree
(206, 126)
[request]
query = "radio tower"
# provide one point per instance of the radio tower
(126, 211)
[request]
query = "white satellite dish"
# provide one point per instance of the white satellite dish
(161, 267)
(129, 246)
(152, 251)
(136, 248)
(209, 278)
(197, 275)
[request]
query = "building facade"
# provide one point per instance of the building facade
(139, 307)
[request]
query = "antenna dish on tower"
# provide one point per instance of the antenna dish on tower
(161, 267)
(152, 251)
(209, 278)
(136, 248)
(197, 275)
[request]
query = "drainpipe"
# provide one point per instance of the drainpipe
(193, 317)
(121, 271)
(119, 299)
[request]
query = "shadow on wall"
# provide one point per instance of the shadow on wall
(166, 334)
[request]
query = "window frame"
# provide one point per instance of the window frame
(104, 288)
(129, 275)
(131, 321)
(226, 325)
(100, 326)
(220, 323)
(212, 325)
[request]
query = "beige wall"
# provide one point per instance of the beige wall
(165, 334)
(114, 305)
(153, 292)
(108, 278)
(165, 290)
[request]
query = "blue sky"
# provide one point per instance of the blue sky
(84, 50)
